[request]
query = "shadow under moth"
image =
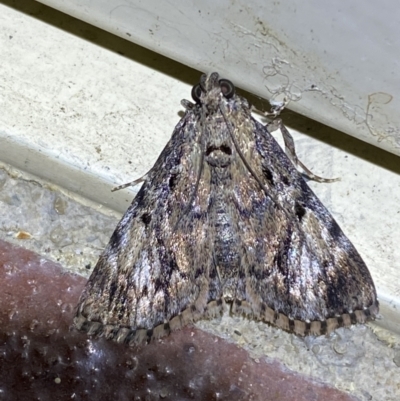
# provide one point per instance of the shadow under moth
(224, 217)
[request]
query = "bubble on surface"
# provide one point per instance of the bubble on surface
(60, 205)
(396, 359)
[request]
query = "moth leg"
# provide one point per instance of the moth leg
(131, 184)
(276, 109)
(290, 150)
(141, 179)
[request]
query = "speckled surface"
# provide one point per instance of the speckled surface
(43, 219)
(42, 358)
(360, 361)
(87, 111)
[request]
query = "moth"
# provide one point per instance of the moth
(225, 217)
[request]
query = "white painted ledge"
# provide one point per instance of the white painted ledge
(336, 61)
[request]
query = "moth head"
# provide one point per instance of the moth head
(210, 83)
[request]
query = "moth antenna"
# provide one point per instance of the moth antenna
(290, 150)
(276, 108)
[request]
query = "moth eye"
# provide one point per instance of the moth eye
(196, 93)
(227, 88)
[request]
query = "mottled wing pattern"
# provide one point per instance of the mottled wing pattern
(299, 271)
(154, 276)
(224, 216)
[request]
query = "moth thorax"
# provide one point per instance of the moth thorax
(219, 156)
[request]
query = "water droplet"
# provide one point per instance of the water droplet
(189, 348)
(316, 349)
(60, 205)
(67, 308)
(132, 364)
(33, 324)
(163, 392)
(10, 268)
(340, 348)
(396, 359)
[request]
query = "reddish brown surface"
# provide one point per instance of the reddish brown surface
(38, 349)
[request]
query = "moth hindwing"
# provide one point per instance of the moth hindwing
(224, 217)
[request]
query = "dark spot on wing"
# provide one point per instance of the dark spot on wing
(223, 148)
(172, 181)
(268, 174)
(285, 179)
(334, 229)
(146, 218)
(299, 210)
